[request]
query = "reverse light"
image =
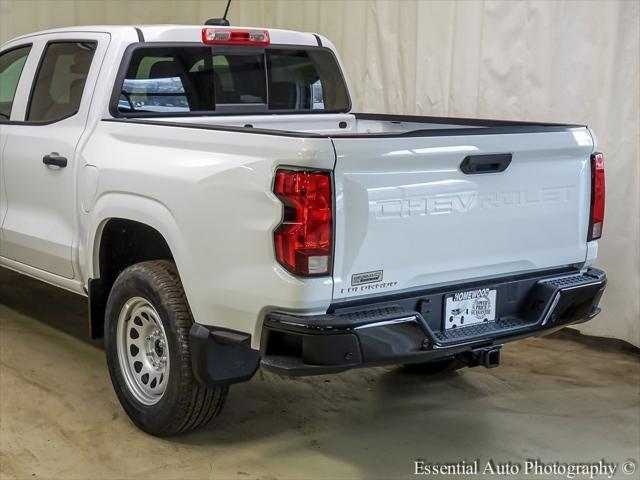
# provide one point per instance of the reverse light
(596, 217)
(303, 241)
(235, 36)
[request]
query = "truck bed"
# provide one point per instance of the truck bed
(354, 124)
(408, 215)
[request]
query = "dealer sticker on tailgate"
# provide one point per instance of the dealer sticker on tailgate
(470, 307)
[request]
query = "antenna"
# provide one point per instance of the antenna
(221, 22)
(226, 10)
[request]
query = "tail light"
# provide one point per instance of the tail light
(235, 36)
(596, 217)
(304, 239)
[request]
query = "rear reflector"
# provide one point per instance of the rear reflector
(596, 218)
(235, 36)
(304, 239)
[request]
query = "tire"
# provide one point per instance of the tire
(148, 302)
(433, 368)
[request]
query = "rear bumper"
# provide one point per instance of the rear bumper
(409, 328)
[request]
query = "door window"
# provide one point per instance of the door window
(60, 80)
(11, 65)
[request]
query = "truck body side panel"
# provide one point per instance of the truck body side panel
(214, 188)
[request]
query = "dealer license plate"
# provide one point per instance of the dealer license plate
(470, 307)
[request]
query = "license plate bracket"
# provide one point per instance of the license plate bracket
(470, 307)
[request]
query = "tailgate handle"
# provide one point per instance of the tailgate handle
(474, 164)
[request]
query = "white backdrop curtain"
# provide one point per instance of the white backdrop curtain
(556, 61)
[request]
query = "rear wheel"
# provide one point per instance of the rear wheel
(148, 354)
(433, 368)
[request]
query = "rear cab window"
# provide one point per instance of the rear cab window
(196, 79)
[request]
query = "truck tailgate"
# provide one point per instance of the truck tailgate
(408, 217)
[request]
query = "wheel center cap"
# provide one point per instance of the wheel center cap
(156, 349)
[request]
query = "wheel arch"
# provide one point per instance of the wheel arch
(126, 229)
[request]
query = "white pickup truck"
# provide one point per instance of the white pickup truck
(215, 195)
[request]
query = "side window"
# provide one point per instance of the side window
(11, 64)
(60, 80)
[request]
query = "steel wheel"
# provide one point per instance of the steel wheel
(143, 350)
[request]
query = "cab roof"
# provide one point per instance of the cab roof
(181, 33)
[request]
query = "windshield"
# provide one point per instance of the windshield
(200, 79)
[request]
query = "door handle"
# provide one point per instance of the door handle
(474, 164)
(54, 159)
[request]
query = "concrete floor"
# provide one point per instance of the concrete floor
(556, 399)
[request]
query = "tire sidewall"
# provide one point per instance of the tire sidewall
(137, 282)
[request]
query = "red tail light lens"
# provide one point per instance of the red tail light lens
(596, 219)
(304, 239)
(235, 36)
